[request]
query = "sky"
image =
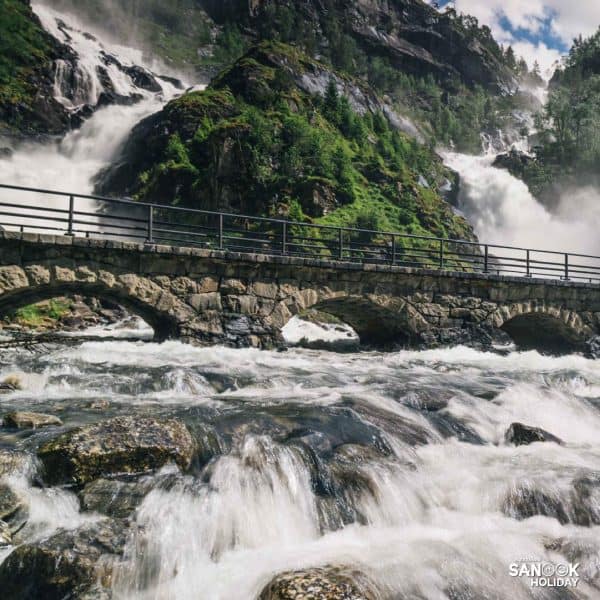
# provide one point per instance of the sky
(541, 30)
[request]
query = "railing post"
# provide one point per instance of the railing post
(220, 231)
(486, 258)
(284, 239)
(566, 267)
(393, 249)
(71, 215)
(341, 244)
(150, 235)
(528, 264)
(442, 255)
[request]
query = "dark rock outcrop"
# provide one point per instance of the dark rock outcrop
(412, 35)
(323, 583)
(119, 445)
(66, 565)
(514, 161)
(522, 435)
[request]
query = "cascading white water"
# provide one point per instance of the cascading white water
(440, 514)
(71, 163)
(503, 211)
(395, 464)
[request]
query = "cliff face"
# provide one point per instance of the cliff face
(411, 34)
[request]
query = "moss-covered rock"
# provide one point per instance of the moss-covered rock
(119, 445)
(280, 134)
(27, 54)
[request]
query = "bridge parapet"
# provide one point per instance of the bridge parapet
(244, 299)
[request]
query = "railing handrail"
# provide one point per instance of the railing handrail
(566, 263)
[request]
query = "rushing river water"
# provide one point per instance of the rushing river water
(394, 463)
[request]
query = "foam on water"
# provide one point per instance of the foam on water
(433, 515)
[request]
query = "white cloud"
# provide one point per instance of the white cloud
(568, 20)
(546, 57)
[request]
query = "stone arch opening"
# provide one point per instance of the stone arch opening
(375, 325)
(164, 326)
(545, 333)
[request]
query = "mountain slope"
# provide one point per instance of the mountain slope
(281, 134)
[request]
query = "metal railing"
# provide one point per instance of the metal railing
(47, 211)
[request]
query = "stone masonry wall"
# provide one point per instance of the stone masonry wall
(208, 297)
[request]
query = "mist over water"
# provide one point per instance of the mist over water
(503, 211)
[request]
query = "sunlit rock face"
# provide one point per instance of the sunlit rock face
(414, 36)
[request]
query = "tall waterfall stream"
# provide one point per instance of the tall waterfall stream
(394, 464)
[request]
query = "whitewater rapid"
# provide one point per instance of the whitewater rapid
(431, 506)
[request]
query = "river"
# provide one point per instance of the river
(395, 464)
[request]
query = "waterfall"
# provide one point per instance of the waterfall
(503, 211)
(70, 164)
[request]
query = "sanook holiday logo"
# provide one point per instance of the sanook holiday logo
(544, 574)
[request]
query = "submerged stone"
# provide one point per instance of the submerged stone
(319, 584)
(119, 445)
(30, 420)
(522, 435)
(68, 564)
(12, 462)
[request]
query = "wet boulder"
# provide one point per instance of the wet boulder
(322, 583)
(522, 435)
(10, 502)
(527, 501)
(116, 446)
(113, 497)
(66, 565)
(14, 510)
(29, 420)
(11, 383)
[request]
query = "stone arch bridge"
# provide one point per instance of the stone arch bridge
(209, 297)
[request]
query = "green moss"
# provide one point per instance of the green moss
(24, 47)
(236, 148)
(43, 314)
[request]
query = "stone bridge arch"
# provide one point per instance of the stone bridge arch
(220, 297)
(541, 326)
(162, 310)
(378, 320)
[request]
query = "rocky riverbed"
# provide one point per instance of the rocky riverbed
(137, 470)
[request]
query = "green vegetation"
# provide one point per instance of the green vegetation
(254, 143)
(41, 315)
(24, 47)
(568, 147)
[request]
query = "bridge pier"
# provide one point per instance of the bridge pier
(214, 297)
